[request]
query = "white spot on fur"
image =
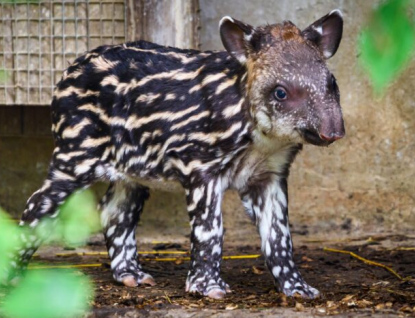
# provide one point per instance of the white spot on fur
(120, 240)
(276, 270)
(268, 249)
(197, 195)
(248, 37)
(111, 231)
(217, 249)
(170, 96)
(111, 251)
(283, 242)
(284, 229)
(202, 235)
(281, 197)
(273, 235)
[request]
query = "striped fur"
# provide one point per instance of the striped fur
(141, 115)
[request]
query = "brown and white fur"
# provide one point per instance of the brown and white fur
(139, 115)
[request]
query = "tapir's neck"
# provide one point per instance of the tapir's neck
(224, 81)
(236, 78)
(222, 62)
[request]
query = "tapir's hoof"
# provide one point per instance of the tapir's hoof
(131, 281)
(205, 285)
(148, 280)
(216, 294)
(304, 291)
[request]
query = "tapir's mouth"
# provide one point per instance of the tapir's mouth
(313, 138)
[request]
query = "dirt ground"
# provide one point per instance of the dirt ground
(350, 287)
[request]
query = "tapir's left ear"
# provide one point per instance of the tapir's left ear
(326, 33)
(235, 37)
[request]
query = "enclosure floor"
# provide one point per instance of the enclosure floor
(350, 288)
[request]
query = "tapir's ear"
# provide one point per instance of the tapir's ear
(235, 37)
(326, 33)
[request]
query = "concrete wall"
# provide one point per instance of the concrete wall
(365, 182)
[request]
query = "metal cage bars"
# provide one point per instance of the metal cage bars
(40, 39)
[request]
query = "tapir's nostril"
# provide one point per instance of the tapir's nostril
(332, 137)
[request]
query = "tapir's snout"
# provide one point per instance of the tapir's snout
(330, 127)
(332, 137)
(334, 132)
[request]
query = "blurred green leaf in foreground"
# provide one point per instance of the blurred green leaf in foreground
(48, 294)
(8, 235)
(78, 219)
(387, 43)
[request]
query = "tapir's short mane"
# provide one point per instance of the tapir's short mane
(286, 31)
(266, 36)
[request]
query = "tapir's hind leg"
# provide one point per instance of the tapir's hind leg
(121, 208)
(64, 177)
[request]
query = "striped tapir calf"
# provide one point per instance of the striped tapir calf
(140, 115)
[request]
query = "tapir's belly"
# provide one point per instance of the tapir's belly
(108, 172)
(159, 184)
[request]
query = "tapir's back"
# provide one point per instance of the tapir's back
(115, 70)
(143, 104)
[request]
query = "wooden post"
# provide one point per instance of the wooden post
(166, 22)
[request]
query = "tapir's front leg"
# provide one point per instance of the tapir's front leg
(204, 207)
(267, 204)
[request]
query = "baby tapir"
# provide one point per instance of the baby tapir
(140, 115)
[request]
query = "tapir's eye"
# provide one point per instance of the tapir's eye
(280, 93)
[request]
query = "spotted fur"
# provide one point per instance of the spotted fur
(141, 115)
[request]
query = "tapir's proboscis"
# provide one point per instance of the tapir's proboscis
(140, 115)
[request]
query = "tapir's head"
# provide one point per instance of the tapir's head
(292, 94)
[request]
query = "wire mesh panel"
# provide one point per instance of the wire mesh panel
(39, 39)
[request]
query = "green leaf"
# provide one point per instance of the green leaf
(78, 218)
(48, 294)
(387, 43)
(8, 242)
